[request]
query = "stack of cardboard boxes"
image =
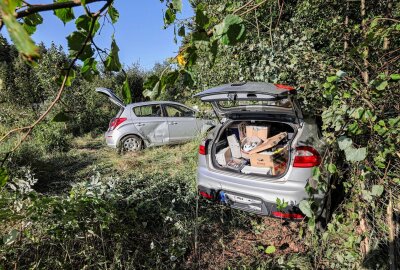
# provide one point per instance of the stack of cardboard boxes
(251, 150)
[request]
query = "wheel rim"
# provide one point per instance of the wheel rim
(132, 145)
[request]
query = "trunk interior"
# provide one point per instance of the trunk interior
(259, 148)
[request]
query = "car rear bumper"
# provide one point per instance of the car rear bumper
(256, 194)
(111, 139)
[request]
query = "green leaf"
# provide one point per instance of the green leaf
(270, 249)
(154, 93)
(344, 142)
(112, 61)
(177, 4)
(377, 190)
(382, 85)
(31, 21)
(84, 23)
(64, 14)
(3, 176)
(305, 207)
(70, 78)
(10, 238)
(332, 168)
(89, 69)
(126, 92)
(332, 78)
(181, 31)
(114, 14)
(76, 41)
(150, 82)
(61, 117)
(170, 78)
(354, 154)
(17, 32)
(201, 20)
(169, 16)
(231, 30)
(395, 77)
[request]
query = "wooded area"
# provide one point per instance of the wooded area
(66, 202)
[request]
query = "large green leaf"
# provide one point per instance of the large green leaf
(64, 14)
(76, 41)
(169, 16)
(84, 23)
(231, 30)
(344, 142)
(3, 176)
(89, 69)
(354, 154)
(112, 62)
(18, 34)
(126, 92)
(31, 21)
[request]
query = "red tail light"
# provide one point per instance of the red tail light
(203, 148)
(116, 122)
(206, 195)
(288, 215)
(306, 157)
(286, 87)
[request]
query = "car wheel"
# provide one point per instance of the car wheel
(131, 143)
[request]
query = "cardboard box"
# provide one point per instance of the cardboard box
(223, 156)
(257, 131)
(269, 143)
(235, 146)
(276, 161)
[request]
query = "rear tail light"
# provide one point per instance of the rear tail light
(286, 87)
(116, 122)
(306, 157)
(203, 147)
(206, 195)
(287, 215)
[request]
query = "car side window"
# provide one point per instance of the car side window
(178, 111)
(148, 111)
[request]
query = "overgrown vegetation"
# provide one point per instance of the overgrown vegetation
(67, 202)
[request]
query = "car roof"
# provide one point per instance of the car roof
(248, 87)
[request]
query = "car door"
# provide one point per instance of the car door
(182, 124)
(151, 123)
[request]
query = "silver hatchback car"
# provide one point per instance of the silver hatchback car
(146, 124)
(262, 150)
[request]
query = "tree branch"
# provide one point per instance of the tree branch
(31, 9)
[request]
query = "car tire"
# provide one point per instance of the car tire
(130, 143)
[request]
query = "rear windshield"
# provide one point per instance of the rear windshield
(228, 104)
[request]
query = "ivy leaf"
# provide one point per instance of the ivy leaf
(332, 78)
(270, 249)
(126, 92)
(381, 86)
(305, 207)
(114, 14)
(332, 168)
(344, 142)
(61, 117)
(395, 77)
(64, 14)
(3, 176)
(112, 61)
(354, 154)
(377, 190)
(177, 4)
(18, 34)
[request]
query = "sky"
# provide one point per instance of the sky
(139, 31)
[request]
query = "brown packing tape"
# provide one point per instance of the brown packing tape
(269, 143)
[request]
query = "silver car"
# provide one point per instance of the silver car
(146, 124)
(244, 183)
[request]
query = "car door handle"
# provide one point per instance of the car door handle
(140, 124)
(173, 123)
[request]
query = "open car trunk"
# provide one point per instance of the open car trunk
(254, 147)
